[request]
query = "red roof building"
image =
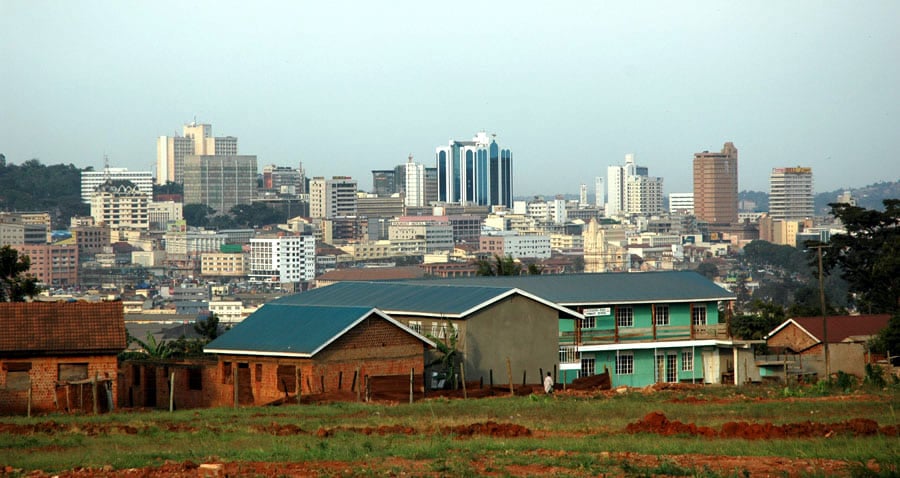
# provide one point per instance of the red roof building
(64, 352)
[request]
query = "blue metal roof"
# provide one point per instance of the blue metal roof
(426, 298)
(282, 329)
(606, 288)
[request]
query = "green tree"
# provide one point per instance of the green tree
(535, 270)
(449, 357)
(197, 215)
(578, 264)
(153, 349)
(888, 340)
(500, 266)
(15, 283)
(708, 270)
(208, 329)
(168, 188)
(868, 255)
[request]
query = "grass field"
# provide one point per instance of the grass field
(570, 435)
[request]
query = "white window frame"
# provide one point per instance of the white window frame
(625, 364)
(687, 361)
(698, 315)
(661, 311)
(625, 316)
(588, 322)
(416, 326)
(587, 363)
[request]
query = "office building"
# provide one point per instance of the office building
(52, 264)
(631, 191)
(681, 203)
(335, 197)
(476, 172)
(90, 180)
(220, 182)
(599, 197)
(283, 259)
(716, 185)
(791, 193)
(121, 205)
(197, 139)
(435, 231)
(415, 184)
(383, 182)
(283, 179)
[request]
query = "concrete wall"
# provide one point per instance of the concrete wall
(518, 328)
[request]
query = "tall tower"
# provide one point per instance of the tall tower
(475, 172)
(716, 185)
(631, 191)
(791, 193)
(415, 184)
(197, 139)
(599, 199)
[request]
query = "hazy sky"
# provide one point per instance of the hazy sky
(570, 87)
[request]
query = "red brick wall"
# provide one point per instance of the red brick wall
(791, 337)
(45, 396)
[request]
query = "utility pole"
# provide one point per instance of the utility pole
(822, 303)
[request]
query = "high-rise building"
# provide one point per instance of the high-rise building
(631, 191)
(282, 178)
(383, 182)
(582, 196)
(283, 259)
(599, 198)
(791, 193)
(330, 198)
(682, 203)
(197, 139)
(716, 185)
(220, 182)
(90, 180)
(431, 186)
(415, 184)
(121, 205)
(476, 172)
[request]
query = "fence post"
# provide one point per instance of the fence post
(462, 372)
(368, 389)
(297, 382)
(412, 371)
(234, 381)
(509, 373)
(94, 392)
(172, 392)
(29, 397)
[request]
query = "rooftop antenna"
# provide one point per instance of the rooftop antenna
(105, 167)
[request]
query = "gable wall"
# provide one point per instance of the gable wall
(45, 395)
(792, 337)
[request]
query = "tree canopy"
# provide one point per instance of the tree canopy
(33, 186)
(500, 266)
(868, 255)
(15, 282)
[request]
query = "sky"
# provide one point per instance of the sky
(569, 87)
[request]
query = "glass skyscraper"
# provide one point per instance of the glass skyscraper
(475, 172)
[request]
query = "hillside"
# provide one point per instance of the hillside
(33, 186)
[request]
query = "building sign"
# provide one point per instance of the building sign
(596, 312)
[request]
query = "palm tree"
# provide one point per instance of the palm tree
(501, 266)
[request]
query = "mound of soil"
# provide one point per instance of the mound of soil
(657, 422)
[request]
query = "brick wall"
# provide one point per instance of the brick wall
(791, 337)
(46, 395)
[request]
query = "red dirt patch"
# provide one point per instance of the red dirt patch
(489, 428)
(656, 422)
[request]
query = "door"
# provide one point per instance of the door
(671, 368)
(660, 368)
(710, 367)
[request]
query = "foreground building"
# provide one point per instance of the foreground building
(63, 352)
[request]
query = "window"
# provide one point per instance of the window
(698, 315)
(588, 323)
(588, 367)
(624, 364)
(226, 372)
(415, 326)
(71, 372)
(624, 317)
(17, 375)
(687, 361)
(661, 315)
(287, 378)
(195, 379)
(258, 372)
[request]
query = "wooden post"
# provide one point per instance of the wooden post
(234, 380)
(309, 385)
(68, 403)
(94, 392)
(355, 385)
(322, 382)
(412, 372)
(29, 397)
(565, 378)
(509, 374)
(340, 380)
(368, 389)
(524, 372)
(491, 378)
(462, 371)
(541, 373)
(481, 382)
(297, 382)
(81, 396)
(172, 392)
(55, 394)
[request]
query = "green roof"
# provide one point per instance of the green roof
(292, 330)
(400, 296)
(607, 288)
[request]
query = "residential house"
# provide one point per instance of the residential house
(59, 355)
(642, 327)
(799, 345)
(497, 329)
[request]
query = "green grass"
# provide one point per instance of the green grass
(582, 428)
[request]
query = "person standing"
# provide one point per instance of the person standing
(548, 384)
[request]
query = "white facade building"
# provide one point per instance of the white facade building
(536, 246)
(330, 198)
(163, 212)
(436, 231)
(121, 207)
(415, 184)
(681, 203)
(90, 180)
(791, 194)
(284, 259)
(193, 243)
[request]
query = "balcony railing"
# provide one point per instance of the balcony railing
(644, 334)
(569, 354)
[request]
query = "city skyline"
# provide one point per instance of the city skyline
(570, 90)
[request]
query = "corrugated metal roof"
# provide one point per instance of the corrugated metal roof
(288, 329)
(430, 298)
(607, 288)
